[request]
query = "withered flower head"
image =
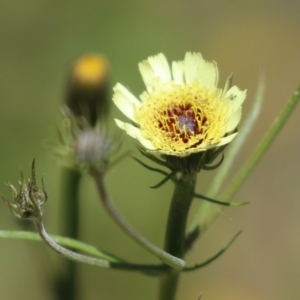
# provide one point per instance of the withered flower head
(29, 199)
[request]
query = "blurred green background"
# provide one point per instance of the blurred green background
(38, 40)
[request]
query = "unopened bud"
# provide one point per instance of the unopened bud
(87, 88)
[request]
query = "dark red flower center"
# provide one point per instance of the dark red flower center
(182, 122)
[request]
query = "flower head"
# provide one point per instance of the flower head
(183, 111)
(81, 146)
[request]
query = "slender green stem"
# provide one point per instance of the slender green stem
(240, 139)
(94, 261)
(175, 234)
(263, 146)
(66, 252)
(67, 242)
(70, 201)
(66, 285)
(168, 259)
(255, 157)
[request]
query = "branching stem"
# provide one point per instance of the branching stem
(94, 261)
(168, 259)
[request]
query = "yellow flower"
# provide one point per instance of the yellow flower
(183, 111)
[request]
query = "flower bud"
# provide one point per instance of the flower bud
(87, 88)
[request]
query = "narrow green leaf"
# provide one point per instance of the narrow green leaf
(67, 242)
(263, 146)
(207, 262)
(213, 167)
(220, 202)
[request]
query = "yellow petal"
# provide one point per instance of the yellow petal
(197, 69)
(234, 120)
(135, 133)
(147, 74)
(125, 101)
(227, 139)
(160, 67)
(177, 71)
(236, 97)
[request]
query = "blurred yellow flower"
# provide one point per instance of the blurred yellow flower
(183, 111)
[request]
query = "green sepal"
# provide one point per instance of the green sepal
(213, 167)
(210, 260)
(152, 157)
(150, 168)
(219, 202)
(169, 176)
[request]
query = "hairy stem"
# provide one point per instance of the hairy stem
(95, 261)
(66, 252)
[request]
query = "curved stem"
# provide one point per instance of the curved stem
(175, 234)
(123, 223)
(68, 253)
(77, 257)
(64, 241)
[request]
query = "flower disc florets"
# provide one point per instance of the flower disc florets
(183, 111)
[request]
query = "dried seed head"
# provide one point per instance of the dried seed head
(29, 199)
